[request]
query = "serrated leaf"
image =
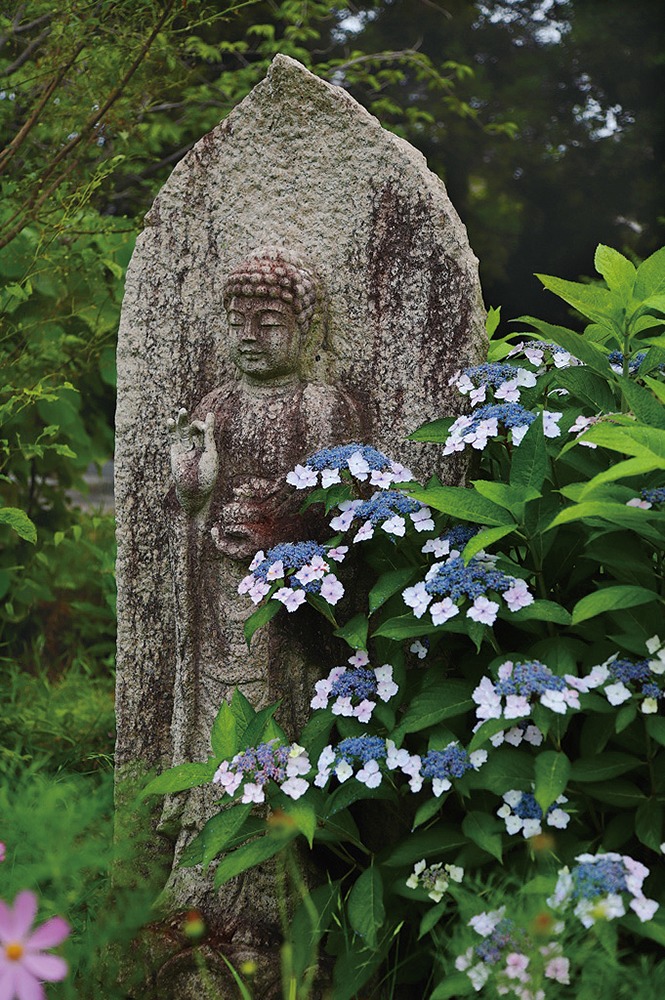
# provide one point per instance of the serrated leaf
(616, 792)
(512, 498)
(590, 388)
(365, 907)
(597, 304)
(242, 710)
(429, 808)
(489, 728)
(354, 632)
(529, 463)
(431, 918)
(650, 279)
(597, 769)
(388, 584)
(260, 617)
(462, 503)
(544, 611)
(221, 830)
(223, 736)
(19, 522)
(617, 270)
(446, 699)
(250, 855)
(611, 599)
(181, 777)
(485, 538)
(551, 771)
(575, 344)
(440, 839)
(303, 815)
(255, 730)
(452, 987)
(643, 403)
(483, 830)
(436, 431)
(649, 824)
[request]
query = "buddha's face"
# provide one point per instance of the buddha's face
(264, 338)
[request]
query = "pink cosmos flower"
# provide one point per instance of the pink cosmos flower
(23, 964)
(3, 851)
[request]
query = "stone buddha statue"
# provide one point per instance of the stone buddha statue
(230, 498)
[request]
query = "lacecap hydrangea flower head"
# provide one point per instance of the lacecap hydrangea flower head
(503, 381)
(490, 421)
(598, 886)
(354, 690)
(301, 568)
(522, 814)
(434, 879)
(255, 767)
(349, 461)
(510, 959)
(520, 685)
(390, 510)
(453, 585)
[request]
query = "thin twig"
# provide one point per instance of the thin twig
(27, 52)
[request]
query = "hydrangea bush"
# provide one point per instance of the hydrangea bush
(502, 700)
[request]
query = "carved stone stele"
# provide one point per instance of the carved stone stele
(387, 306)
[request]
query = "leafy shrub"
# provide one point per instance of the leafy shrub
(502, 703)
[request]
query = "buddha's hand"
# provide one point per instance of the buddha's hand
(194, 461)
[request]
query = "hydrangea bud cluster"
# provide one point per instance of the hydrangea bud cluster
(453, 584)
(519, 686)
(441, 766)
(302, 567)
(358, 461)
(508, 956)
(599, 885)
(542, 353)
(504, 381)
(354, 690)
(489, 421)
(255, 767)
(521, 813)
(391, 510)
(434, 879)
(620, 679)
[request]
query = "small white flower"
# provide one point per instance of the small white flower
(329, 477)
(302, 477)
(396, 525)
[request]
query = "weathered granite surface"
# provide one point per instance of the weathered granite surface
(297, 165)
